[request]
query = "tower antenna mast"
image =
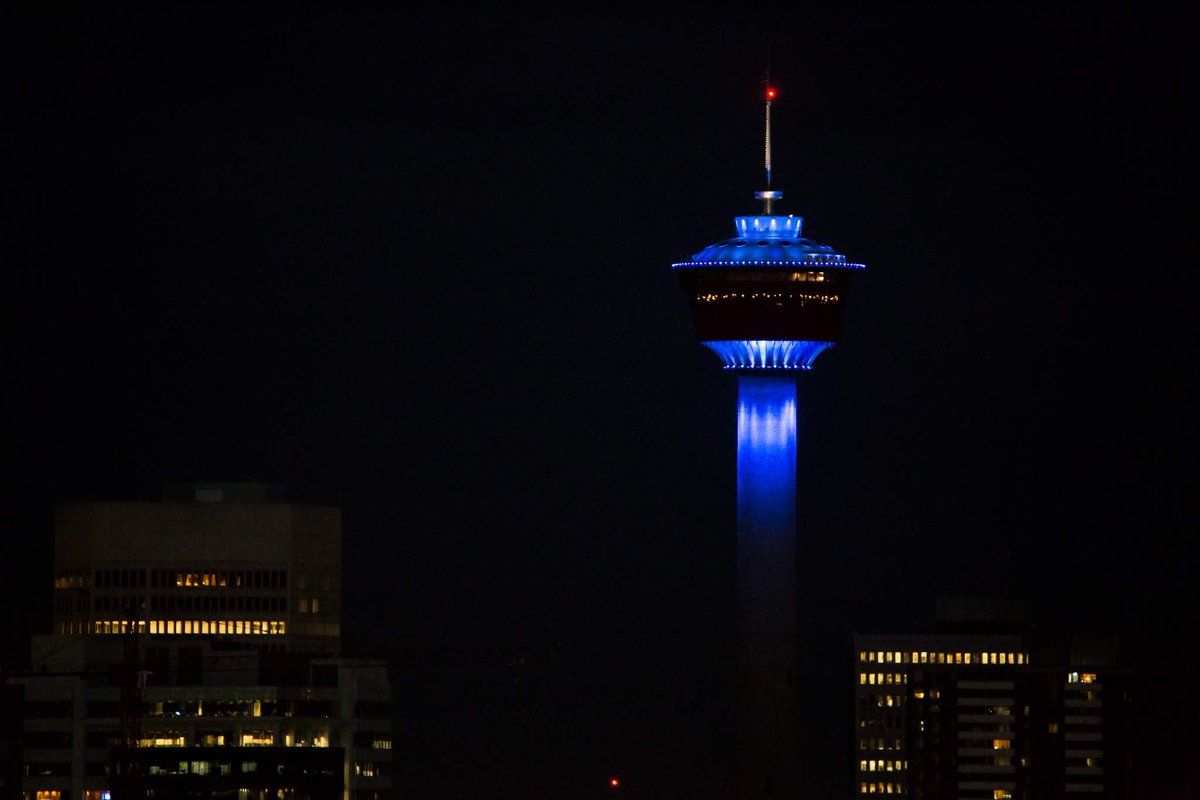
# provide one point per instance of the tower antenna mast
(768, 196)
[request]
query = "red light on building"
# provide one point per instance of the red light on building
(614, 783)
(771, 93)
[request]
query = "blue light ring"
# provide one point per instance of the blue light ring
(788, 264)
(767, 354)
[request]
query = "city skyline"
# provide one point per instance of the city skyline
(413, 265)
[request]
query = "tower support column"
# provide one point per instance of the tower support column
(766, 729)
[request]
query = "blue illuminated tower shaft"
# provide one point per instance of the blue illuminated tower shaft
(767, 739)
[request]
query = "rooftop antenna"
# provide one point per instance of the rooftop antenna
(768, 196)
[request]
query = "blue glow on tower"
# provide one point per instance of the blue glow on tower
(768, 354)
(767, 739)
(767, 302)
(766, 499)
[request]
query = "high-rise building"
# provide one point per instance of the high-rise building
(216, 560)
(767, 302)
(987, 708)
(196, 653)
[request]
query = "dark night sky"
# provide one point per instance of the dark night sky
(416, 265)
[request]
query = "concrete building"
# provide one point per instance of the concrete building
(196, 653)
(221, 561)
(986, 708)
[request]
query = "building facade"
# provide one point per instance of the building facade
(196, 653)
(220, 562)
(977, 712)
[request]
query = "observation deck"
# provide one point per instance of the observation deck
(767, 298)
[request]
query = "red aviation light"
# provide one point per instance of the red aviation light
(614, 783)
(771, 93)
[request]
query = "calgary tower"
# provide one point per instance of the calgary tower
(767, 302)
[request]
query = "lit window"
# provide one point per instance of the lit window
(257, 738)
(316, 605)
(1072, 677)
(1052, 727)
(1001, 744)
(1087, 677)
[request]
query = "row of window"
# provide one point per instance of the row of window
(882, 765)
(885, 721)
(372, 769)
(219, 603)
(177, 627)
(166, 578)
(822, 299)
(239, 578)
(882, 678)
(803, 277)
(249, 707)
(105, 794)
(226, 768)
(882, 700)
(73, 579)
(288, 737)
(881, 787)
(940, 657)
(247, 739)
(880, 744)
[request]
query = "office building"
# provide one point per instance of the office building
(987, 708)
(196, 653)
